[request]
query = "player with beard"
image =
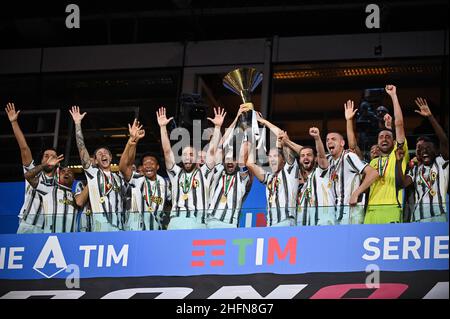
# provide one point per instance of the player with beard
(430, 176)
(315, 203)
(106, 188)
(386, 195)
(281, 183)
(345, 180)
(30, 218)
(229, 186)
(149, 191)
(59, 207)
(190, 185)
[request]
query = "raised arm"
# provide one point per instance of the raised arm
(25, 151)
(129, 153)
(424, 110)
(273, 128)
(293, 146)
(398, 115)
(251, 165)
(387, 121)
(169, 158)
(32, 175)
(321, 156)
(288, 154)
(77, 118)
(350, 111)
(230, 129)
(219, 116)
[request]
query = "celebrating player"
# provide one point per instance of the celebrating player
(190, 185)
(149, 191)
(105, 187)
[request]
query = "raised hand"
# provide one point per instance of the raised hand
(219, 116)
(136, 131)
(162, 118)
(11, 112)
(282, 136)
(424, 110)
(242, 109)
(76, 115)
(387, 121)
(391, 90)
(314, 132)
(349, 110)
(53, 161)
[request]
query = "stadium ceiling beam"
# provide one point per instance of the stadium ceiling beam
(189, 12)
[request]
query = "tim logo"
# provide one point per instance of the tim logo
(50, 261)
(215, 247)
(256, 251)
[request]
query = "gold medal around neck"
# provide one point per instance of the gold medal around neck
(223, 199)
(185, 197)
(382, 181)
(432, 192)
(102, 199)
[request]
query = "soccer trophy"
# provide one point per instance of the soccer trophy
(242, 82)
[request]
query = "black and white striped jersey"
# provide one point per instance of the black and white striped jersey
(431, 184)
(281, 193)
(345, 176)
(148, 198)
(58, 208)
(227, 194)
(190, 192)
(106, 194)
(315, 192)
(32, 206)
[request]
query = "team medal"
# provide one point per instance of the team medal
(187, 184)
(382, 169)
(227, 183)
(428, 182)
(102, 199)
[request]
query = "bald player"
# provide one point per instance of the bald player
(190, 184)
(386, 195)
(346, 181)
(229, 186)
